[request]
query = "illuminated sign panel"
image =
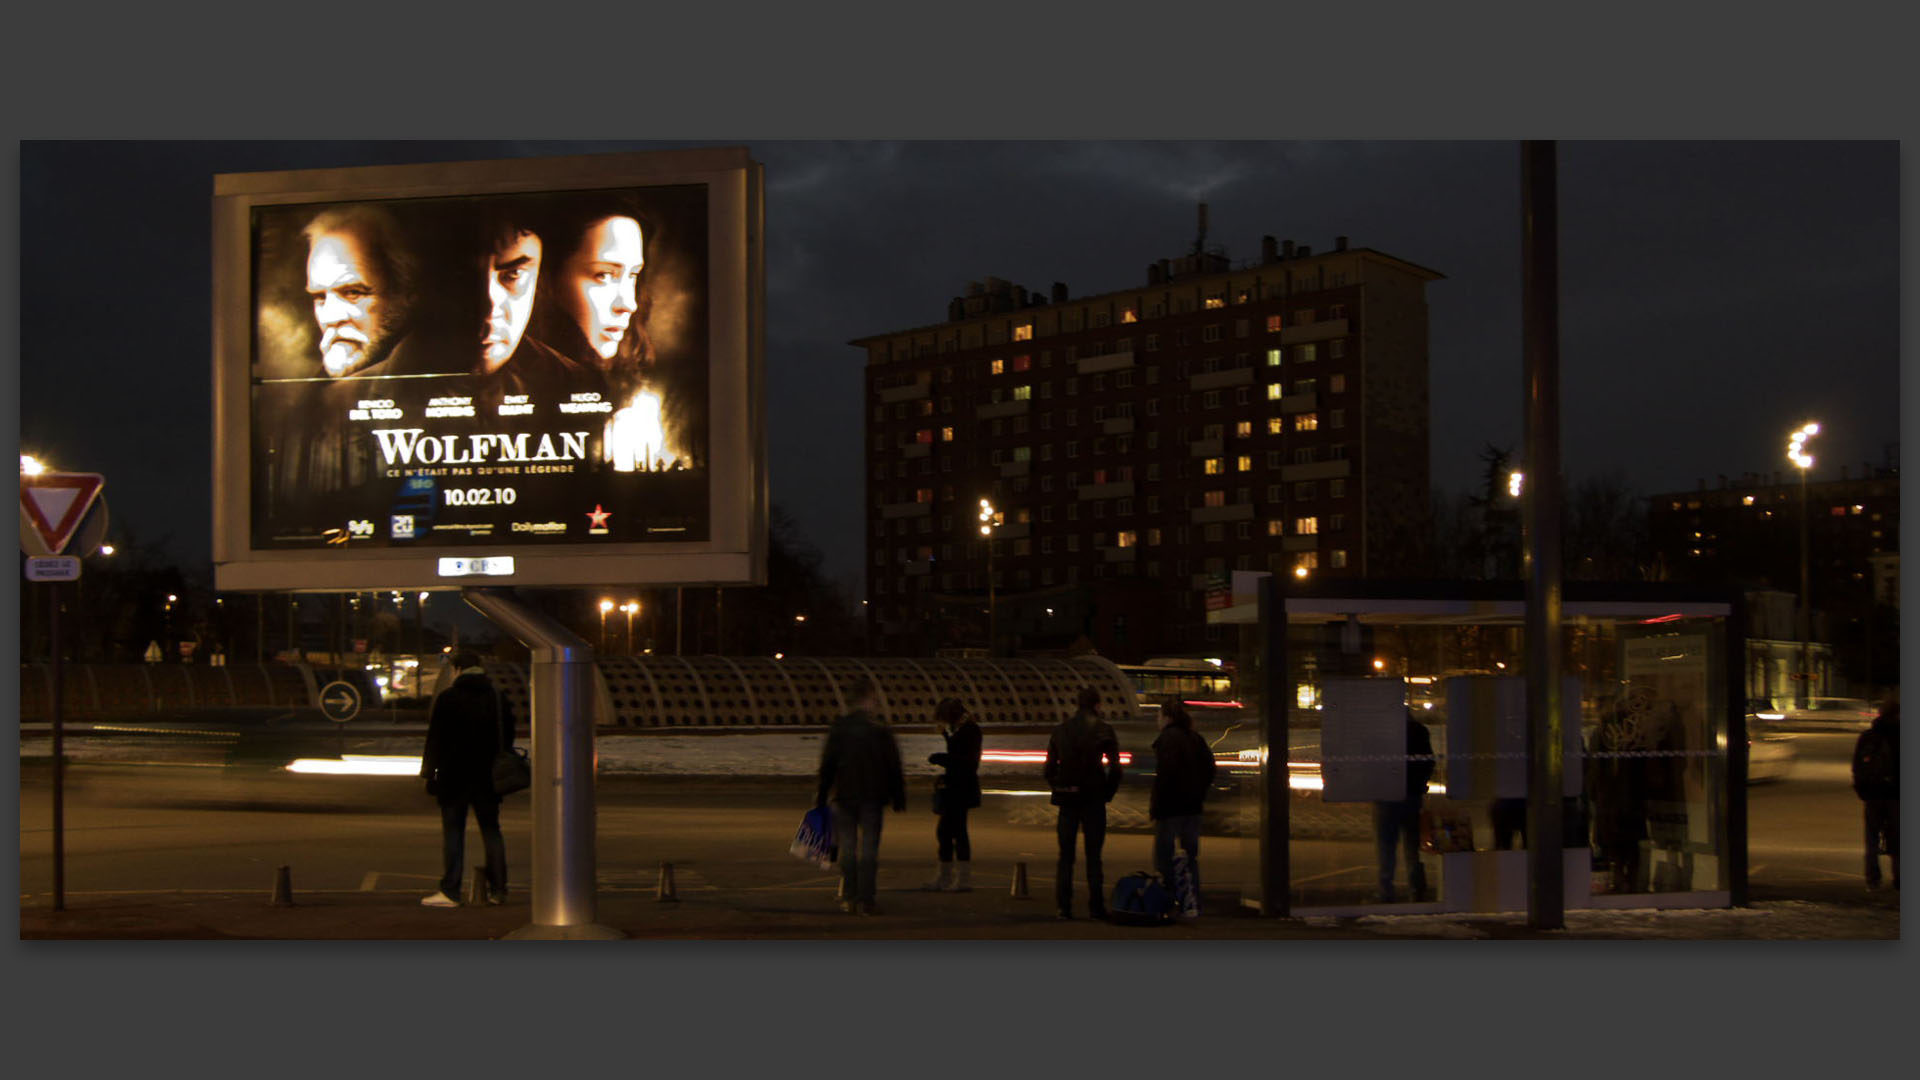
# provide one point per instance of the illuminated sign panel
(553, 358)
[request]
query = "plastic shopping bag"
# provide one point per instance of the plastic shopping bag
(813, 842)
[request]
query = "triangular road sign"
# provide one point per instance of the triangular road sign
(55, 504)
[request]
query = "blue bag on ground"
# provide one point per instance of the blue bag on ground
(1186, 893)
(813, 842)
(1139, 899)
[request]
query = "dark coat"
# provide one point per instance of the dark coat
(861, 763)
(1419, 744)
(1073, 768)
(961, 759)
(464, 731)
(1183, 770)
(1876, 759)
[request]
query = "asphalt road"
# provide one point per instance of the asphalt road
(132, 829)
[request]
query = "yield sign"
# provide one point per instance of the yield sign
(55, 504)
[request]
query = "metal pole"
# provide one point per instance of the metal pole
(990, 595)
(563, 826)
(1276, 823)
(59, 757)
(1806, 602)
(1540, 256)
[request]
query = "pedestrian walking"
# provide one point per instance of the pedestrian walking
(1183, 769)
(860, 773)
(1083, 770)
(467, 725)
(1876, 780)
(955, 791)
(1396, 823)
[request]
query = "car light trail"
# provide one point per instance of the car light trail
(358, 765)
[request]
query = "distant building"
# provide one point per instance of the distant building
(1746, 532)
(1138, 444)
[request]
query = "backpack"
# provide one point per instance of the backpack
(1139, 899)
(1876, 768)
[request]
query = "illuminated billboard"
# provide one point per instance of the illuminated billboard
(522, 372)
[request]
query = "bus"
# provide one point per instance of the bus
(1195, 683)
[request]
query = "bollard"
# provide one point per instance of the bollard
(282, 887)
(665, 891)
(1020, 881)
(476, 888)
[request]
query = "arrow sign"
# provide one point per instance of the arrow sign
(55, 504)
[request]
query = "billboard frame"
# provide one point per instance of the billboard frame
(735, 552)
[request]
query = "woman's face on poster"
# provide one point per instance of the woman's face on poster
(601, 280)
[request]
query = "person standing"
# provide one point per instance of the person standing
(1183, 769)
(467, 725)
(1082, 787)
(860, 771)
(954, 793)
(1396, 823)
(1876, 780)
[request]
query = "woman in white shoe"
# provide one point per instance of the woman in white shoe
(954, 793)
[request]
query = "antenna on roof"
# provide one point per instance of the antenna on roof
(1200, 241)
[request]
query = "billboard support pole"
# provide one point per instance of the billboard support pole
(563, 828)
(59, 753)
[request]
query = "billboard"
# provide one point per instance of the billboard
(521, 372)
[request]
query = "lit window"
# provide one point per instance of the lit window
(1245, 463)
(1276, 527)
(1023, 332)
(1124, 539)
(1273, 357)
(996, 367)
(1243, 429)
(1306, 422)
(1128, 315)
(1217, 300)
(1306, 526)
(1273, 324)
(1748, 501)
(1215, 498)
(1275, 391)
(1276, 425)
(1213, 466)
(1022, 393)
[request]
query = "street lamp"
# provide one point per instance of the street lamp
(605, 606)
(31, 466)
(1797, 453)
(987, 522)
(630, 608)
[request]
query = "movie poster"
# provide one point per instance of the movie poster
(482, 370)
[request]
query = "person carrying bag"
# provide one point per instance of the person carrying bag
(955, 791)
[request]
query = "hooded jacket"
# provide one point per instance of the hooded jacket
(464, 731)
(1183, 770)
(861, 763)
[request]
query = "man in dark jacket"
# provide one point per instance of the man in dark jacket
(1876, 779)
(1183, 770)
(1082, 787)
(467, 726)
(860, 771)
(1397, 823)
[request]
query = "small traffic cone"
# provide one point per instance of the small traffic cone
(665, 891)
(1020, 881)
(282, 888)
(476, 889)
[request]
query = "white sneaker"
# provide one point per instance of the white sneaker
(439, 899)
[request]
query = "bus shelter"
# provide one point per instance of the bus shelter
(1384, 727)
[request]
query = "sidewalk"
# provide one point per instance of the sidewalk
(808, 913)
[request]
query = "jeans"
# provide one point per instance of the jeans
(1397, 824)
(1883, 824)
(951, 832)
(453, 844)
(1090, 819)
(1186, 829)
(856, 829)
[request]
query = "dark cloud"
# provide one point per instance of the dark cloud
(1715, 293)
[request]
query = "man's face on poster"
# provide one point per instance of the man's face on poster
(350, 303)
(513, 271)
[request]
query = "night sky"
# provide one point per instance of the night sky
(1714, 294)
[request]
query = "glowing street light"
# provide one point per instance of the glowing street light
(1515, 480)
(988, 519)
(630, 608)
(31, 466)
(605, 606)
(1797, 454)
(1300, 572)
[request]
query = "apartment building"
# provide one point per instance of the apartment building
(1135, 444)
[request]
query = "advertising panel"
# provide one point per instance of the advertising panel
(540, 371)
